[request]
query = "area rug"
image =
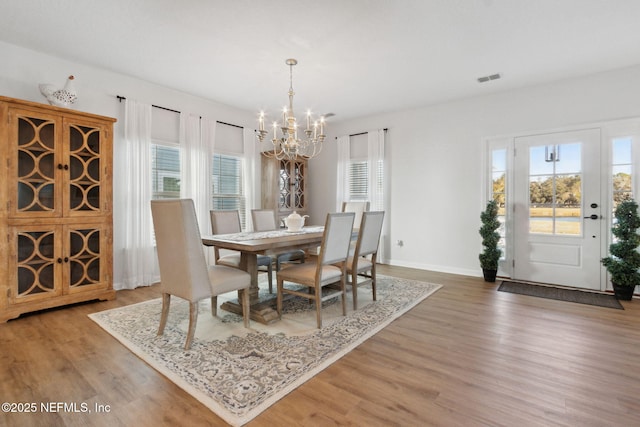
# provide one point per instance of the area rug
(238, 372)
(562, 294)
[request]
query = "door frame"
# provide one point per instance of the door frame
(609, 130)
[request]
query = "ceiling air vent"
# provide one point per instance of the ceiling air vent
(489, 78)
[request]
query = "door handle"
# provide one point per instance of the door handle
(592, 216)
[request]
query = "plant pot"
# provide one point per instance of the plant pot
(489, 275)
(624, 293)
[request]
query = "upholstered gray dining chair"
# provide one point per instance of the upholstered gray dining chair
(363, 259)
(265, 220)
(226, 222)
(330, 267)
(184, 271)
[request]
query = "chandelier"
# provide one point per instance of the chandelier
(287, 145)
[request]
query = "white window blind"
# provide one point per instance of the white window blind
(227, 184)
(359, 183)
(358, 178)
(165, 170)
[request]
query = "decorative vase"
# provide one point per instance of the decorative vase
(623, 293)
(489, 275)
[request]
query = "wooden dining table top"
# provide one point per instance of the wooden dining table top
(265, 241)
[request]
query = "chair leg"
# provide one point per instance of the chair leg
(214, 306)
(280, 285)
(373, 280)
(270, 278)
(343, 294)
(166, 301)
(354, 289)
(193, 320)
(318, 292)
(246, 308)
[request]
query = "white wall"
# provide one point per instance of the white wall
(434, 152)
(435, 158)
(22, 70)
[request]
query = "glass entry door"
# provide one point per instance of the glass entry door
(557, 216)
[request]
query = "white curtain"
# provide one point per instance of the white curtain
(377, 185)
(251, 174)
(195, 153)
(342, 178)
(139, 265)
(375, 154)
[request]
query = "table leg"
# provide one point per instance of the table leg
(262, 312)
(249, 263)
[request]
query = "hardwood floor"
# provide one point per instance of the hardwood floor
(466, 356)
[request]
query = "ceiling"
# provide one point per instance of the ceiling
(356, 57)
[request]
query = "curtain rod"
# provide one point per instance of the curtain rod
(363, 133)
(121, 98)
(230, 124)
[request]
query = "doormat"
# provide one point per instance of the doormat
(562, 294)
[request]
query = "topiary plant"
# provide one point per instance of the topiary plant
(624, 262)
(490, 237)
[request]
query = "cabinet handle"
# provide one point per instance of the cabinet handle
(59, 260)
(66, 259)
(66, 167)
(59, 165)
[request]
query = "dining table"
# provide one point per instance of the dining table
(250, 244)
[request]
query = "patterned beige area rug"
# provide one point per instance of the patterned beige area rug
(238, 372)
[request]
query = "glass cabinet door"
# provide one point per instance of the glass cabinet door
(292, 185)
(36, 165)
(84, 169)
(85, 247)
(299, 173)
(38, 267)
(285, 185)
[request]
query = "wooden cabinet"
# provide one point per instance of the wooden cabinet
(57, 209)
(284, 187)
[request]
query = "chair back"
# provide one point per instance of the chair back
(225, 222)
(183, 267)
(369, 236)
(336, 238)
(264, 219)
(358, 208)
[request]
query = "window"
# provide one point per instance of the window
(227, 185)
(165, 154)
(165, 170)
(358, 178)
(499, 191)
(359, 183)
(555, 189)
(622, 170)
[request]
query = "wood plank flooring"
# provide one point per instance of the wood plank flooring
(466, 356)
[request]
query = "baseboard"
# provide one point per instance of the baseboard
(437, 268)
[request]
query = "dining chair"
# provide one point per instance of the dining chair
(358, 208)
(227, 222)
(184, 271)
(329, 268)
(363, 259)
(265, 220)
